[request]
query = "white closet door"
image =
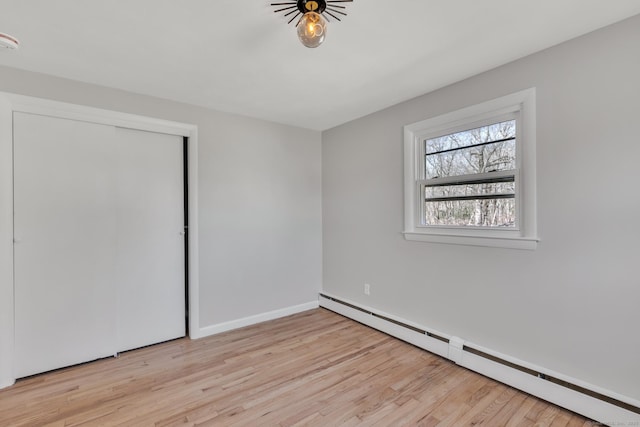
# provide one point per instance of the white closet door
(65, 231)
(150, 247)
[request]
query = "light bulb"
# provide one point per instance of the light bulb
(312, 29)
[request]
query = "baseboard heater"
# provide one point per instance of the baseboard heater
(593, 402)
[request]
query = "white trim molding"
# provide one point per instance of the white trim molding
(10, 103)
(576, 395)
(6, 244)
(255, 319)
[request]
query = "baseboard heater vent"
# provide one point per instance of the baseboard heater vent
(554, 380)
(379, 316)
(454, 354)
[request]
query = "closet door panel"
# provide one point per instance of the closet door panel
(65, 231)
(150, 243)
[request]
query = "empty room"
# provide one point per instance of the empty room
(319, 213)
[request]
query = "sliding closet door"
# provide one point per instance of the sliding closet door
(99, 230)
(150, 270)
(65, 232)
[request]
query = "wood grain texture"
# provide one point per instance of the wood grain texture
(315, 368)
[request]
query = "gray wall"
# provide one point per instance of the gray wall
(572, 305)
(259, 198)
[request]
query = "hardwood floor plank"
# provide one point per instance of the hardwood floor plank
(315, 368)
(460, 400)
(508, 410)
(546, 416)
(561, 420)
(520, 415)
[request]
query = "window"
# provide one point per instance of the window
(470, 175)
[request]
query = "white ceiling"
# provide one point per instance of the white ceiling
(241, 57)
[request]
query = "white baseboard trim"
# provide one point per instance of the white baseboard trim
(547, 386)
(252, 320)
(7, 383)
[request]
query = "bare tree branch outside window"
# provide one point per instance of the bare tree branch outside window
(482, 201)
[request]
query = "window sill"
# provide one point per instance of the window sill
(526, 243)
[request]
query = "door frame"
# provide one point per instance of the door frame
(10, 103)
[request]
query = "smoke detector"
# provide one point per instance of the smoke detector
(8, 42)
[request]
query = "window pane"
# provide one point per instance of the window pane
(470, 190)
(479, 150)
(475, 213)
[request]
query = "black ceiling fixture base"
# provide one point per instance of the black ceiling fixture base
(317, 6)
(326, 8)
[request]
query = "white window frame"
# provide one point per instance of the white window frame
(520, 106)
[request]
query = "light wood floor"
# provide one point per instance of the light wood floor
(313, 368)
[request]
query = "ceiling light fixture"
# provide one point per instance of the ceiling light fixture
(8, 42)
(312, 25)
